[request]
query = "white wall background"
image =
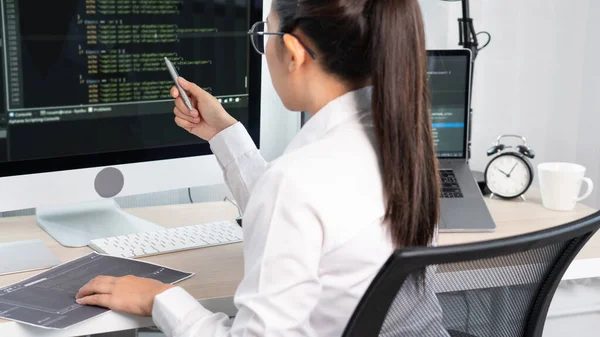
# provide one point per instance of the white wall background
(540, 76)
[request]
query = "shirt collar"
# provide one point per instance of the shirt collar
(331, 115)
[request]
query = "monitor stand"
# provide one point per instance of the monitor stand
(76, 225)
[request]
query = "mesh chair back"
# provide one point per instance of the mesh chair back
(496, 288)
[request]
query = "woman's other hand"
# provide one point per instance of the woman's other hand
(208, 117)
(129, 294)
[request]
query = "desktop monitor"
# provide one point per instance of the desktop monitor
(85, 111)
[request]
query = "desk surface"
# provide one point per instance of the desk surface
(220, 269)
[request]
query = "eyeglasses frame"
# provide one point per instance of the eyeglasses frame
(253, 32)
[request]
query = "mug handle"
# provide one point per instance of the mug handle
(588, 192)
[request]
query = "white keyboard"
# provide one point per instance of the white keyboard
(169, 240)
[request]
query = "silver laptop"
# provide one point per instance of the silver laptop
(462, 206)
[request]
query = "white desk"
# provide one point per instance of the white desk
(220, 269)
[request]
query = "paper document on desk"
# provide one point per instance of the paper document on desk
(47, 300)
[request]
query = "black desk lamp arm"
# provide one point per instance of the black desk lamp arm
(467, 34)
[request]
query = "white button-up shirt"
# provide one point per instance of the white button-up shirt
(313, 233)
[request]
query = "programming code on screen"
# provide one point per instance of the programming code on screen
(89, 65)
(447, 77)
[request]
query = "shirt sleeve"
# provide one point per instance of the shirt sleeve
(177, 313)
(281, 287)
(240, 160)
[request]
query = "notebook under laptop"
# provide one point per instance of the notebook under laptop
(462, 204)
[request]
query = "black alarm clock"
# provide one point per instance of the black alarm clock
(509, 174)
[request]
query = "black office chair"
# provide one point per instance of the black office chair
(495, 288)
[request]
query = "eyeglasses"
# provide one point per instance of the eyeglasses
(259, 42)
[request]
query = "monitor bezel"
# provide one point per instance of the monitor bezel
(467, 54)
(36, 166)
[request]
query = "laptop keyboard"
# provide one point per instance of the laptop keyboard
(450, 188)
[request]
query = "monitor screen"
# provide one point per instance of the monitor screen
(84, 83)
(449, 79)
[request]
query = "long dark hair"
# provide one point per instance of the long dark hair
(383, 41)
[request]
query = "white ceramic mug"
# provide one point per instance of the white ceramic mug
(560, 184)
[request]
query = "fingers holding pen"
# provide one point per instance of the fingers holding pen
(183, 112)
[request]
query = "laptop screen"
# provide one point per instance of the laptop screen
(449, 73)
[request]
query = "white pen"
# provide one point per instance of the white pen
(175, 76)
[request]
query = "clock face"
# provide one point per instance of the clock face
(508, 176)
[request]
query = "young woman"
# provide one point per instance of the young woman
(359, 180)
